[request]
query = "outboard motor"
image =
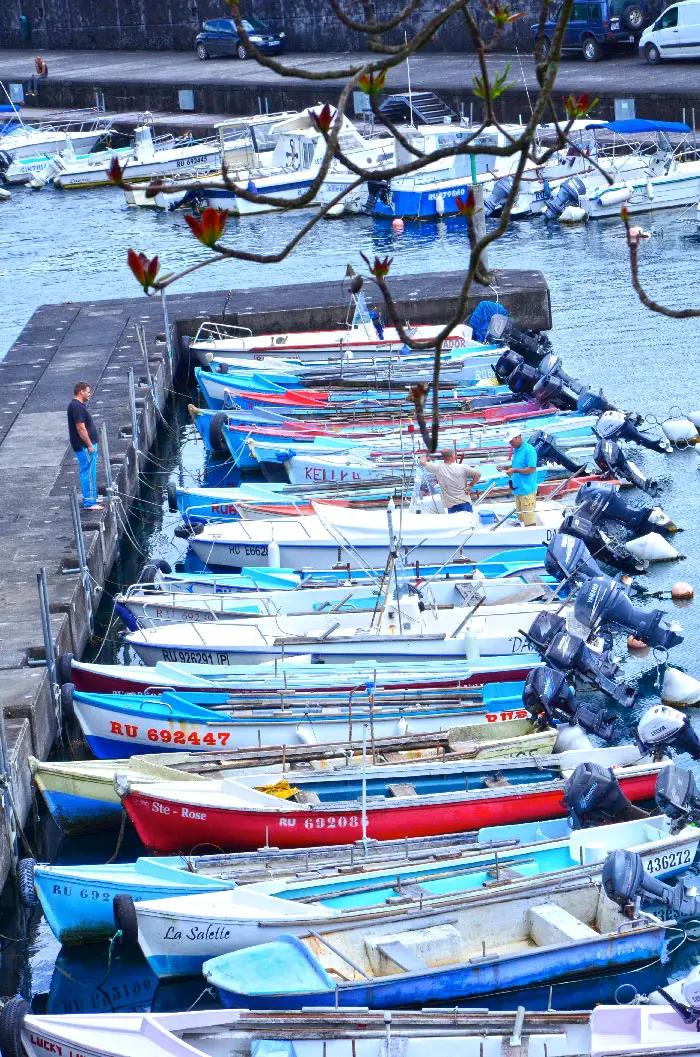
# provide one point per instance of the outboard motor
(593, 796)
(616, 425)
(610, 458)
(603, 502)
(601, 545)
(569, 558)
(532, 347)
(663, 727)
(589, 402)
(493, 205)
(547, 451)
(602, 600)
(550, 365)
(628, 884)
(569, 194)
(523, 380)
(551, 391)
(6, 160)
(570, 654)
(550, 699)
(688, 1009)
(678, 796)
(506, 363)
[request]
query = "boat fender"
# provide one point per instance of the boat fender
(151, 569)
(679, 430)
(64, 668)
(126, 616)
(125, 919)
(216, 432)
(67, 706)
(573, 215)
(25, 883)
(652, 548)
(680, 688)
(11, 1024)
(273, 555)
(171, 493)
(615, 196)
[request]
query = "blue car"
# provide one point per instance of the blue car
(219, 36)
(595, 26)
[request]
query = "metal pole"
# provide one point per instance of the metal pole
(141, 336)
(82, 556)
(364, 783)
(134, 416)
(104, 444)
(166, 324)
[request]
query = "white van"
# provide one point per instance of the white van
(675, 34)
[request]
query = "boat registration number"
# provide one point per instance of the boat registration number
(166, 737)
(250, 550)
(194, 656)
(540, 196)
(669, 860)
(323, 822)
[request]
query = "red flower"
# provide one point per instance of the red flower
(580, 107)
(115, 173)
(144, 270)
(211, 226)
(625, 214)
(372, 84)
(380, 268)
(324, 119)
(466, 206)
(501, 14)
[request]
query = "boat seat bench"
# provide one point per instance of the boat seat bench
(551, 924)
(402, 956)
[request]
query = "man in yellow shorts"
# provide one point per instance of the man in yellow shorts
(523, 476)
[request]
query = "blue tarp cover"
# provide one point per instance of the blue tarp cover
(639, 124)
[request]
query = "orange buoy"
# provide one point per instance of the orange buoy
(682, 590)
(397, 224)
(635, 644)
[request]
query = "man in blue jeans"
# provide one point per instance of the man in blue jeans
(83, 440)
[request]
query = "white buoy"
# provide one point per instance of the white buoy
(571, 739)
(615, 196)
(679, 429)
(439, 205)
(682, 590)
(650, 190)
(694, 417)
(397, 224)
(573, 215)
(679, 688)
(471, 645)
(652, 548)
(273, 555)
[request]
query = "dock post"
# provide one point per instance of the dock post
(168, 337)
(82, 556)
(49, 648)
(134, 418)
(8, 791)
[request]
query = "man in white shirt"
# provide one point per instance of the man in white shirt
(456, 480)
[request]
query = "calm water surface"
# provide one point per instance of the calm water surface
(57, 247)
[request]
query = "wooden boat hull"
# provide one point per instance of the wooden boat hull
(165, 825)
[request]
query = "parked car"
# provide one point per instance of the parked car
(219, 36)
(597, 25)
(675, 34)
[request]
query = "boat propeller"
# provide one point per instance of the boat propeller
(602, 600)
(593, 797)
(602, 502)
(662, 727)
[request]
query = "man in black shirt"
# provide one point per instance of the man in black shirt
(83, 440)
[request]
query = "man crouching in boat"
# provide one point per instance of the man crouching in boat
(523, 476)
(456, 480)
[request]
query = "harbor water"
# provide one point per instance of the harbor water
(72, 247)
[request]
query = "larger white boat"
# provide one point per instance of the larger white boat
(19, 140)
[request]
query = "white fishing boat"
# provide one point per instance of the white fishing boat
(295, 163)
(84, 128)
(335, 537)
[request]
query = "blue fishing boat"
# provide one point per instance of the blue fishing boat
(501, 942)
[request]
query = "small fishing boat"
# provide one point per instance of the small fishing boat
(425, 800)
(501, 941)
(281, 676)
(18, 140)
(66, 891)
(81, 796)
(120, 725)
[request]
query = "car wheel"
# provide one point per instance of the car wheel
(592, 51)
(241, 51)
(202, 52)
(652, 55)
(633, 18)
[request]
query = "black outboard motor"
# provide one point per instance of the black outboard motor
(532, 347)
(493, 205)
(568, 194)
(601, 545)
(593, 796)
(628, 884)
(550, 699)
(523, 380)
(570, 654)
(551, 391)
(662, 727)
(610, 458)
(616, 425)
(6, 160)
(589, 403)
(506, 363)
(678, 796)
(605, 601)
(547, 451)
(569, 558)
(603, 502)
(550, 365)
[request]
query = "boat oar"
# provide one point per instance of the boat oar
(339, 954)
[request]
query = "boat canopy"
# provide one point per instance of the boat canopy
(636, 125)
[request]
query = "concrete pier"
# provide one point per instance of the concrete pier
(97, 342)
